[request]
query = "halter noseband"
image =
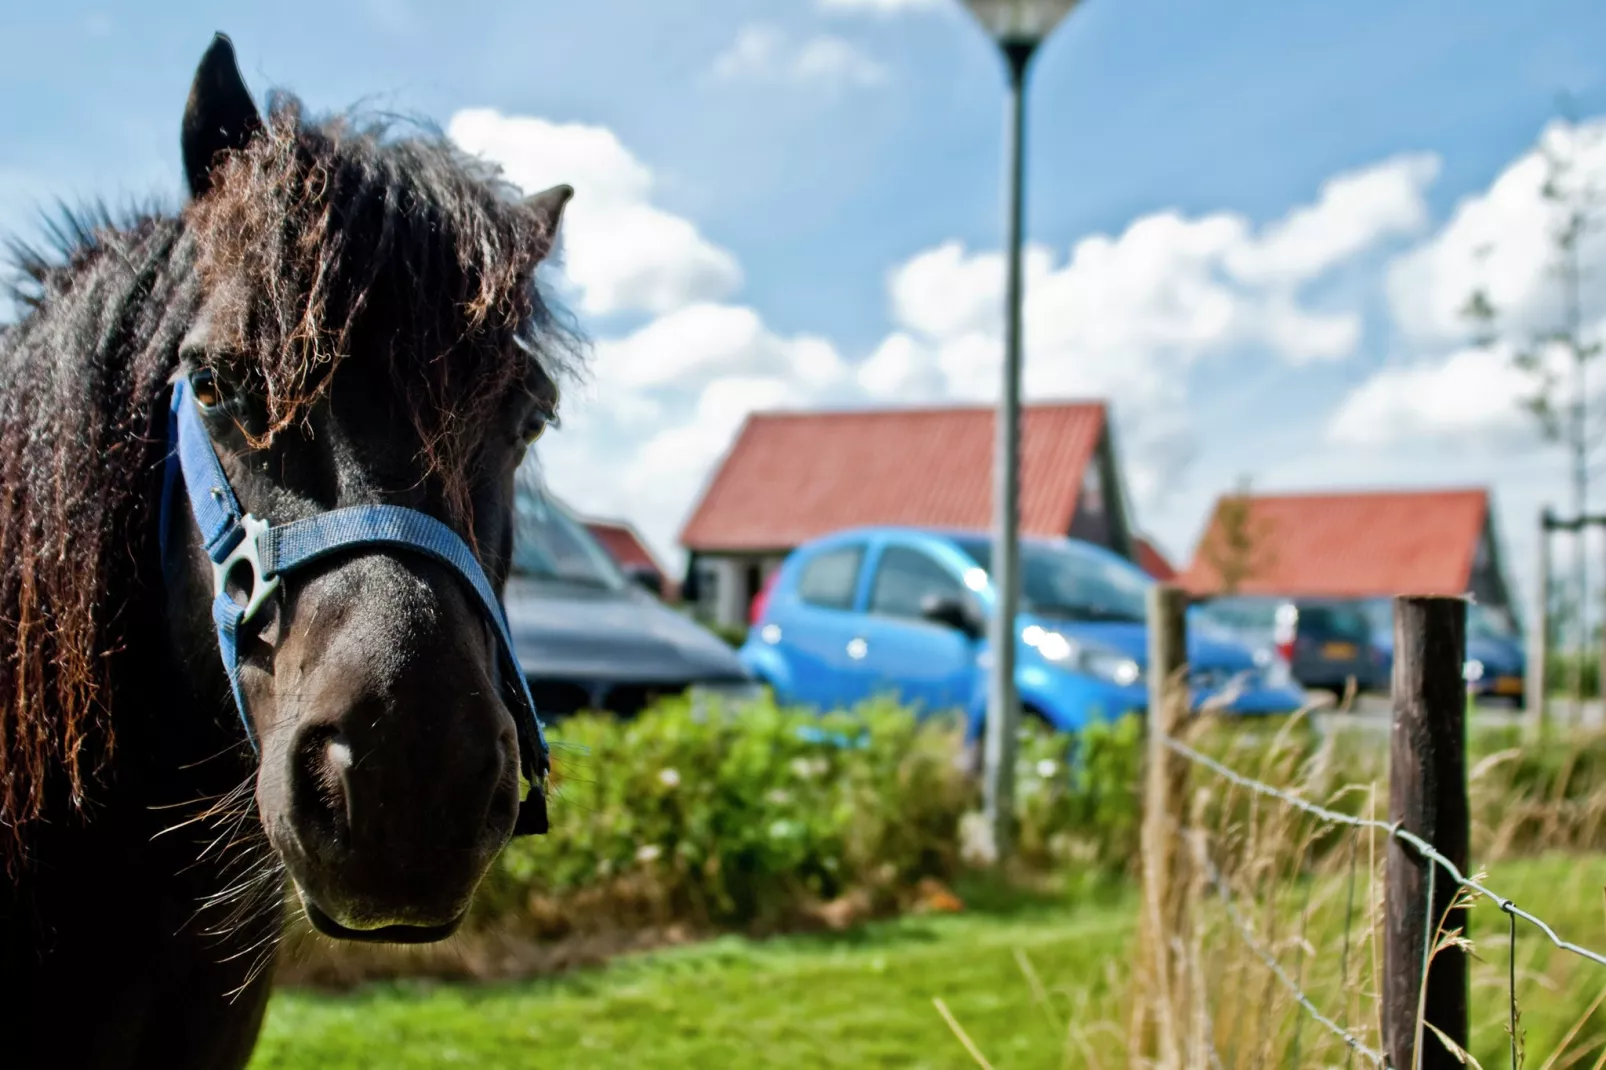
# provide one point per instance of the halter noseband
(236, 540)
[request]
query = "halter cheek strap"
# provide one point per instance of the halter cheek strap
(250, 557)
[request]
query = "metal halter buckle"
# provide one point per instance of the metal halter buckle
(249, 550)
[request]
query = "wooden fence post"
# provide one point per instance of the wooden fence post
(1535, 688)
(1428, 797)
(1155, 1024)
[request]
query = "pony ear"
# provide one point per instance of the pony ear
(219, 116)
(548, 209)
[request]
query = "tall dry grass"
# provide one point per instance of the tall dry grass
(1260, 880)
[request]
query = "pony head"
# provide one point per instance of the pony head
(367, 330)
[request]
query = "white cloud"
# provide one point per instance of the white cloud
(706, 339)
(622, 252)
(1472, 393)
(1130, 317)
(884, 7)
(765, 54)
(1500, 240)
(664, 402)
(1352, 212)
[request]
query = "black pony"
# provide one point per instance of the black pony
(356, 315)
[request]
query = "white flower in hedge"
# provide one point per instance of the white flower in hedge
(1047, 768)
(648, 852)
(808, 768)
(669, 778)
(778, 797)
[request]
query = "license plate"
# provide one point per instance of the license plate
(1338, 651)
(1508, 685)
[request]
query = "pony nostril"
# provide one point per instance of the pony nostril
(323, 762)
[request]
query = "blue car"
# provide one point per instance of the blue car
(1496, 661)
(903, 611)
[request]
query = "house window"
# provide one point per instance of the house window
(1092, 499)
(707, 585)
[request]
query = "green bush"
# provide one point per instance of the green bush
(697, 818)
(1078, 797)
(760, 818)
(736, 817)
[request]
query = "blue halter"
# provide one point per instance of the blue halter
(234, 538)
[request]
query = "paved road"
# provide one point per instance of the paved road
(1373, 711)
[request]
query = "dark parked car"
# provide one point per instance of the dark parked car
(589, 638)
(1497, 662)
(1325, 642)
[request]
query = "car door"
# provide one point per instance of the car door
(922, 663)
(818, 624)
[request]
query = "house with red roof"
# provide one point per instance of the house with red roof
(792, 476)
(1352, 545)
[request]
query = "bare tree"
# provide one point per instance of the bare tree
(1555, 358)
(1236, 547)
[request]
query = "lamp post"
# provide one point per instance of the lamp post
(1019, 27)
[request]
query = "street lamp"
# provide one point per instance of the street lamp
(1019, 27)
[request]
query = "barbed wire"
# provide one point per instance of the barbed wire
(1246, 933)
(1423, 848)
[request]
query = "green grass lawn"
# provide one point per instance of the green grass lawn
(864, 999)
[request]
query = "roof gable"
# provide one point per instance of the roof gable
(623, 544)
(1347, 545)
(1151, 560)
(790, 477)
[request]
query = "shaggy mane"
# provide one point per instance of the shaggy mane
(322, 232)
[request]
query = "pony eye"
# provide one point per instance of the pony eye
(208, 393)
(534, 429)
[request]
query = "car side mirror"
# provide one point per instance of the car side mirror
(643, 576)
(951, 613)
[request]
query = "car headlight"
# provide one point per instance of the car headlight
(1472, 671)
(1100, 662)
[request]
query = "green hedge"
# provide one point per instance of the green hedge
(751, 816)
(690, 819)
(737, 816)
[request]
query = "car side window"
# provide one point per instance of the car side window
(829, 579)
(905, 578)
(1336, 622)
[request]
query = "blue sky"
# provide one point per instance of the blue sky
(818, 186)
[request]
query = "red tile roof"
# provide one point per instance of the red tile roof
(1151, 560)
(622, 542)
(790, 477)
(1356, 545)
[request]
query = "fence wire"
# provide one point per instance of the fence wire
(1426, 851)
(1246, 933)
(1393, 830)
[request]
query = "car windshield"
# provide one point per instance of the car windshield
(549, 545)
(1484, 622)
(1071, 581)
(1241, 615)
(1336, 620)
